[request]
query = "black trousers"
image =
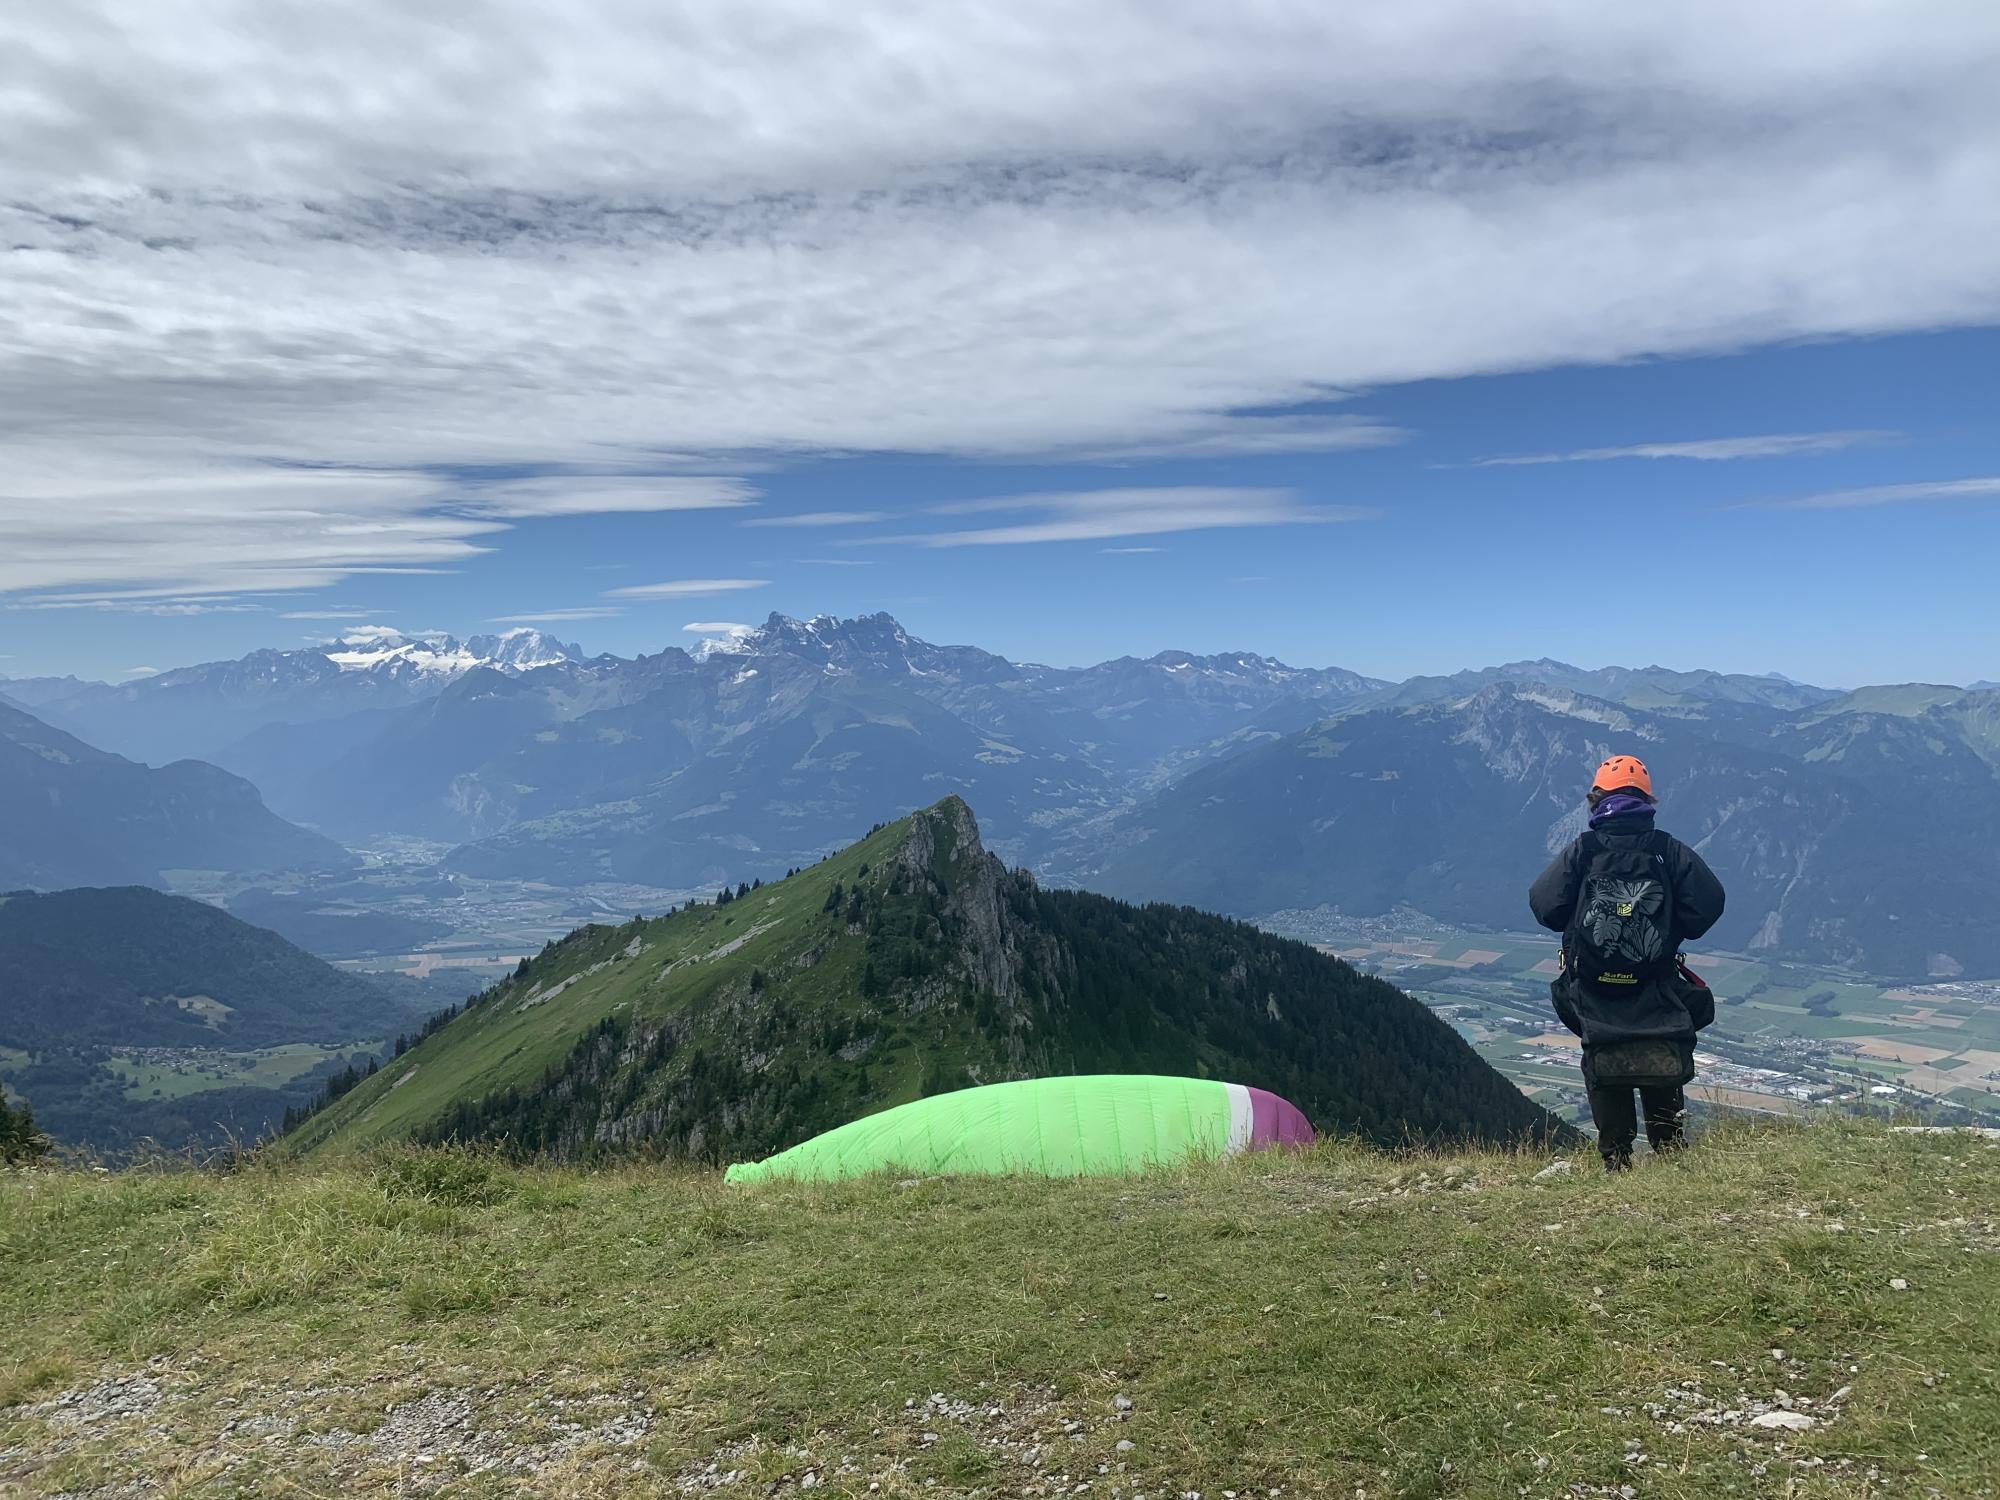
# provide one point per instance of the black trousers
(1618, 1122)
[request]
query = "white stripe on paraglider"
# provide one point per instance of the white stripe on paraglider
(1241, 1120)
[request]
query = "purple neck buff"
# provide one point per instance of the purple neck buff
(1620, 805)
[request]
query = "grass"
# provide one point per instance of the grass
(668, 965)
(1337, 1322)
(268, 1068)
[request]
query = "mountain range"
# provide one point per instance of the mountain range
(1853, 827)
(909, 964)
(1854, 836)
(71, 814)
(199, 712)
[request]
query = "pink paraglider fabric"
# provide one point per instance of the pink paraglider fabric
(1275, 1122)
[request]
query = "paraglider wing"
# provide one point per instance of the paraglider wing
(1058, 1127)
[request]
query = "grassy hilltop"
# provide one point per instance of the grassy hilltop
(908, 964)
(436, 1323)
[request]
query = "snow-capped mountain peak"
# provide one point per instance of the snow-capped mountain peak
(522, 649)
(432, 654)
(726, 640)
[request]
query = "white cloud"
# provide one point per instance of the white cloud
(603, 494)
(142, 671)
(152, 519)
(1129, 551)
(556, 616)
(1221, 435)
(1007, 230)
(1883, 494)
(325, 614)
(836, 562)
(130, 606)
(820, 518)
(1087, 515)
(718, 627)
(686, 588)
(1770, 445)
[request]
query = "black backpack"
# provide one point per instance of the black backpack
(1622, 934)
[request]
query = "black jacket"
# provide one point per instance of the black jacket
(1666, 1008)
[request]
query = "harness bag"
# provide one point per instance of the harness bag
(1655, 1062)
(1622, 933)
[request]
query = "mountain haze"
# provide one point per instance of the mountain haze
(200, 712)
(1231, 779)
(71, 814)
(757, 751)
(1853, 838)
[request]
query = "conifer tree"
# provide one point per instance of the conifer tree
(19, 1140)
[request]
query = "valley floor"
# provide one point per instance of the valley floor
(1787, 1037)
(1806, 1310)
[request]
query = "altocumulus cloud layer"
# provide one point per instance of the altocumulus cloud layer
(278, 274)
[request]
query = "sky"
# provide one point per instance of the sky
(1402, 338)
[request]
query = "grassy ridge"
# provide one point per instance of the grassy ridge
(434, 1322)
(704, 950)
(908, 964)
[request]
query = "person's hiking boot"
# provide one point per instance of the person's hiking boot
(1618, 1161)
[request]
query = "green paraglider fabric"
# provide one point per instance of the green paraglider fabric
(1059, 1127)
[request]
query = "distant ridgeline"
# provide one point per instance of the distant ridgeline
(910, 964)
(1863, 833)
(72, 815)
(1857, 830)
(84, 972)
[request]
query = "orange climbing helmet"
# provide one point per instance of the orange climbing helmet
(1623, 773)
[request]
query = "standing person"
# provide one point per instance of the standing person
(1625, 896)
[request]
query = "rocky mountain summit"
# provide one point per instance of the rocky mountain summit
(909, 964)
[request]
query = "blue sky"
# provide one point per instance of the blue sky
(1650, 337)
(1628, 559)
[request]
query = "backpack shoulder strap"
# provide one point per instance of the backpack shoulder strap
(1660, 844)
(1587, 846)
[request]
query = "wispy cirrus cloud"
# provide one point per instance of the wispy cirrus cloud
(558, 616)
(1232, 435)
(162, 525)
(1129, 551)
(486, 241)
(601, 494)
(813, 518)
(127, 606)
(686, 588)
(1883, 494)
(1093, 515)
(326, 614)
(1706, 450)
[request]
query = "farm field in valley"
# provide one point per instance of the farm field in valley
(1786, 1038)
